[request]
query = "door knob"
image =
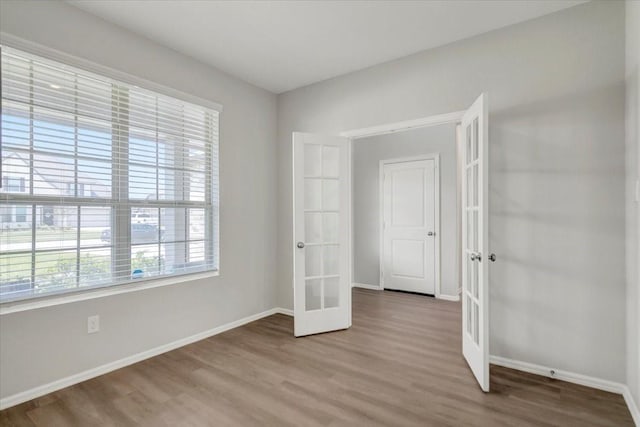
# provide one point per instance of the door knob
(492, 257)
(431, 233)
(300, 245)
(476, 256)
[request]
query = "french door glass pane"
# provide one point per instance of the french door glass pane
(313, 261)
(474, 139)
(331, 292)
(475, 278)
(313, 227)
(330, 227)
(474, 236)
(330, 194)
(312, 160)
(476, 321)
(330, 161)
(470, 273)
(331, 260)
(312, 293)
(470, 187)
(312, 194)
(469, 315)
(469, 143)
(469, 221)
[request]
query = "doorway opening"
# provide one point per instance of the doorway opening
(405, 232)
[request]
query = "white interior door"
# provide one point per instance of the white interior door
(321, 214)
(409, 228)
(475, 233)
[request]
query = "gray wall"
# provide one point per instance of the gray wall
(367, 153)
(633, 209)
(44, 345)
(556, 96)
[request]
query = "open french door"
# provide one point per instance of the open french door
(475, 240)
(321, 215)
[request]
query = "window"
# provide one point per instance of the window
(103, 182)
(6, 214)
(13, 185)
(21, 214)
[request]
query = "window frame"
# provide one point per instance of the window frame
(100, 291)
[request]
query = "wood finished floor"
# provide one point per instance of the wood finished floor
(399, 365)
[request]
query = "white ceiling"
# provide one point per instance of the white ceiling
(283, 45)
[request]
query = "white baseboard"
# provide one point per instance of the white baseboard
(285, 311)
(631, 403)
(366, 286)
(572, 377)
(449, 297)
(41, 390)
(558, 374)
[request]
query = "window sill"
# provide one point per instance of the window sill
(75, 296)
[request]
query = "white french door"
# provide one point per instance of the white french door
(321, 215)
(409, 226)
(475, 242)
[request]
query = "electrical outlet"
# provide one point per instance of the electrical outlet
(93, 324)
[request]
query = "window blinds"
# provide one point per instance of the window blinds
(103, 182)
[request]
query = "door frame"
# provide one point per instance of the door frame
(427, 121)
(436, 158)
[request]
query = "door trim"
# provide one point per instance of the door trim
(386, 128)
(437, 119)
(436, 159)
